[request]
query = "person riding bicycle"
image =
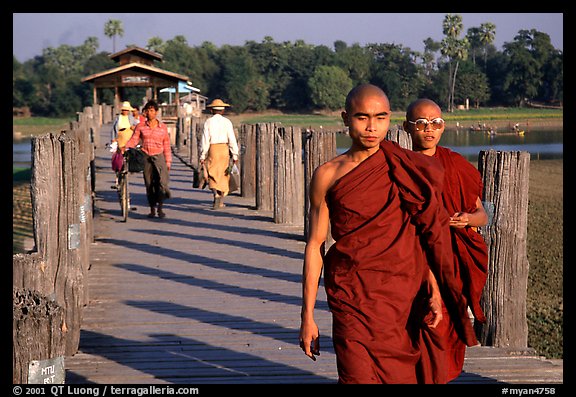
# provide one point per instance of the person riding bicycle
(121, 132)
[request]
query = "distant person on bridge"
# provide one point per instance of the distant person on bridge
(122, 130)
(123, 126)
(158, 158)
(461, 198)
(139, 117)
(386, 218)
(217, 145)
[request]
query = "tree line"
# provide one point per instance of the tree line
(300, 77)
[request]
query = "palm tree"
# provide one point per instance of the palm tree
(113, 28)
(473, 36)
(454, 49)
(487, 35)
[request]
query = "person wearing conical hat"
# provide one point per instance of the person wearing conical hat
(122, 130)
(123, 125)
(218, 143)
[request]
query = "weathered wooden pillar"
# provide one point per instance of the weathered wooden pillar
(319, 147)
(288, 176)
(37, 335)
(247, 143)
(194, 141)
(265, 166)
(399, 136)
(70, 277)
(505, 176)
(57, 170)
(179, 134)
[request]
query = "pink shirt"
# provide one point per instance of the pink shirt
(154, 140)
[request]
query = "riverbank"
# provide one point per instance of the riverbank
(501, 118)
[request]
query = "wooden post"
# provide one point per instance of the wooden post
(319, 147)
(56, 197)
(265, 166)
(37, 332)
(399, 136)
(70, 278)
(288, 176)
(247, 143)
(505, 177)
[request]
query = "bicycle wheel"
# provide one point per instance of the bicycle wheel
(124, 200)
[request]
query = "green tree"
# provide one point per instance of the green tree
(272, 62)
(472, 85)
(355, 60)
(242, 85)
(553, 81)
(454, 49)
(155, 44)
(431, 47)
(329, 86)
(113, 28)
(474, 38)
(394, 68)
(487, 36)
(528, 56)
(68, 59)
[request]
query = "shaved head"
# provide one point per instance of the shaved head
(418, 104)
(363, 91)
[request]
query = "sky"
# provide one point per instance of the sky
(32, 32)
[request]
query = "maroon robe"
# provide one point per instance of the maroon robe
(389, 226)
(462, 187)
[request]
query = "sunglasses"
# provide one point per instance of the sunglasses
(422, 124)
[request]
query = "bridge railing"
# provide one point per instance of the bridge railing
(52, 275)
(276, 166)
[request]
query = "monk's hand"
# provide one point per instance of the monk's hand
(435, 303)
(310, 339)
(459, 220)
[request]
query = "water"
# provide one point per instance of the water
(542, 144)
(22, 153)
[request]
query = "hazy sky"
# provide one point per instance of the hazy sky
(32, 32)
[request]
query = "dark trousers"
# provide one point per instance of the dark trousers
(156, 179)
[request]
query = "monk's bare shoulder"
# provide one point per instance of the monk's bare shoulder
(328, 173)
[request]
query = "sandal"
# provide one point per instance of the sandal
(161, 214)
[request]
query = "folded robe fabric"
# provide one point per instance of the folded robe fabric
(389, 226)
(462, 187)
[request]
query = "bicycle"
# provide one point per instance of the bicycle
(132, 162)
(123, 192)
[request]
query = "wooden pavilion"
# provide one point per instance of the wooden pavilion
(136, 69)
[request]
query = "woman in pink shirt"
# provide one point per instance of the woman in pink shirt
(155, 141)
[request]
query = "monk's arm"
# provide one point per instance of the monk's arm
(313, 260)
(435, 300)
(473, 219)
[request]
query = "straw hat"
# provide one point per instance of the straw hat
(126, 106)
(217, 104)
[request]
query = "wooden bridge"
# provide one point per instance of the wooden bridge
(213, 297)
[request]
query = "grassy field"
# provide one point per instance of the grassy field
(545, 308)
(499, 117)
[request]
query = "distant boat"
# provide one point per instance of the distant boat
(483, 129)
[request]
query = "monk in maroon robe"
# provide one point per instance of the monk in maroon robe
(461, 192)
(392, 242)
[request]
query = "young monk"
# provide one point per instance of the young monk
(461, 198)
(386, 218)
